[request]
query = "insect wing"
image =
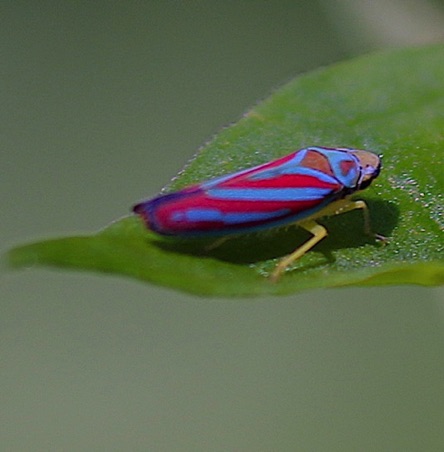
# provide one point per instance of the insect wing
(279, 192)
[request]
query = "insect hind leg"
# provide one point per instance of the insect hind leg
(318, 231)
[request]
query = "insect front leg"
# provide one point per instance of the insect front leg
(318, 231)
(352, 205)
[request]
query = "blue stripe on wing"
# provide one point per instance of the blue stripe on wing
(196, 215)
(290, 170)
(295, 161)
(269, 194)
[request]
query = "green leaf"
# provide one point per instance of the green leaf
(391, 103)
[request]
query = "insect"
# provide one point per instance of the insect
(298, 188)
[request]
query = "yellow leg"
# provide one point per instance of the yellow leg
(318, 231)
(352, 205)
(218, 242)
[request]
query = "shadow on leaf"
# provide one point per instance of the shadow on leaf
(344, 231)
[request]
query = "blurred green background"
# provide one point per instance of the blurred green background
(101, 104)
